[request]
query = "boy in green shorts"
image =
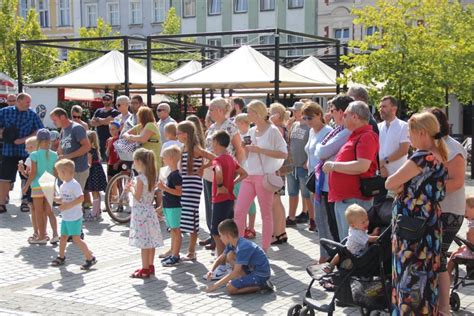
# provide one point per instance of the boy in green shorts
(70, 205)
(172, 202)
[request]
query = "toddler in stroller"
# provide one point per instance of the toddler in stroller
(464, 255)
(361, 280)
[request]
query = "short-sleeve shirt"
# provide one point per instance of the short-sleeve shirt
(357, 241)
(162, 124)
(229, 167)
(315, 138)
(103, 130)
(299, 134)
(121, 119)
(113, 156)
(71, 138)
(250, 256)
(45, 160)
(153, 142)
(170, 143)
(26, 122)
(363, 143)
(69, 192)
(390, 138)
(173, 180)
(227, 126)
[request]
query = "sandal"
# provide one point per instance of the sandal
(328, 268)
(280, 239)
(141, 274)
(32, 237)
(191, 256)
(88, 264)
(164, 254)
(58, 261)
(250, 233)
(24, 207)
(152, 269)
(3, 209)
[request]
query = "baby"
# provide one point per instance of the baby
(464, 252)
(358, 239)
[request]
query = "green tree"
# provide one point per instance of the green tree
(78, 58)
(421, 49)
(38, 62)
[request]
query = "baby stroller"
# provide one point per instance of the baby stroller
(365, 281)
(458, 281)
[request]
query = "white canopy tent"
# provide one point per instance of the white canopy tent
(315, 69)
(242, 69)
(106, 72)
(187, 69)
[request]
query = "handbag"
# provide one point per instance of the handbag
(311, 182)
(410, 228)
(372, 186)
(271, 182)
(125, 149)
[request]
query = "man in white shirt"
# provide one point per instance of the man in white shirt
(393, 138)
(163, 112)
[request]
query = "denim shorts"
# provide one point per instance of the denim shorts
(297, 182)
(249, 280)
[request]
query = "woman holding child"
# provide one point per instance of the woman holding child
(265, 155)
(416, 236)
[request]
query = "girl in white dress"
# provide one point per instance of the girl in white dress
(145, 230)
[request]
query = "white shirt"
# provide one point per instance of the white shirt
(271, 140)
(357, 241)
(70, 191)
(170, 143)
(390, 138)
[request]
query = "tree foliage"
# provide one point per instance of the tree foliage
(422, 49)
(79, 58)
(38, 62)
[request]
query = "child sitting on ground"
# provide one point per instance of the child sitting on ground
(172, 203)
(250, 266)
(70, 200)
(464, 252)
(358, 239)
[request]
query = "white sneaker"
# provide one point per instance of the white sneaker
(219, 273)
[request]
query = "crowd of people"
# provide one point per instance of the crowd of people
(240, 153)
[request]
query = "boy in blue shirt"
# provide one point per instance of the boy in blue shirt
(250, 265)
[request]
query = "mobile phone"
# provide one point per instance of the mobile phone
(247, 140)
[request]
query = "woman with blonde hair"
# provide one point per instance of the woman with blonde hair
(266, 153)
(420, 186)
(146, 132)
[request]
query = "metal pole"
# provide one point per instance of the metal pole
(185, 106)
(149, 84)
(18, 66)
(277, 66)
(125, 66)
(338, 69)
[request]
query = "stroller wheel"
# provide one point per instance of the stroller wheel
(294, 310)
(306, 311)
(455, 301)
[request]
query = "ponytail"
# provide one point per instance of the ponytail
(442, 148)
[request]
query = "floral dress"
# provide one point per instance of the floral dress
(415, 264)
(145, 229)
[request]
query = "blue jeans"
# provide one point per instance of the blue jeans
(340, 208)
(297, 181)
(322, 222)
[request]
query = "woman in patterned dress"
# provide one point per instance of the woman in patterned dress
(191, 171)
(420, 184)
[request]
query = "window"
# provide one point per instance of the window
(267, 5)
(135, 12)
(295, 4)
(189, 8)
(268, 39)
(25, 6)
(239, 40)
(213, 7)
(91, 14)
(296, 51)
(341, 34)
(240, 6)
(113, 13)
(371, 30)
(43, 13)
(214, 55)
(160, 7)
(64, 12)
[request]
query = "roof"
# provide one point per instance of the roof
(315, 69)
(106, 72)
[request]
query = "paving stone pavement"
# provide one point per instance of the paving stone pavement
(29, 285)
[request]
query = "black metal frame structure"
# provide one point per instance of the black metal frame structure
(179, 46)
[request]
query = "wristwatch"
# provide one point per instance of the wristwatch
(386, 160)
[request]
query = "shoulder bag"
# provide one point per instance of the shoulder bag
(271, 182)
(410, 228)
(372, 186)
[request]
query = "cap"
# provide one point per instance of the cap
(54, 135)
(108, 96)
(297, 106)
(43, 134)
(116, 124)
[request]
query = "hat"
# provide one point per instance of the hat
(297, 106)
(115, 123)
(43, 134)
(54, 135)
(108, 96)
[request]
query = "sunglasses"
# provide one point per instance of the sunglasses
(307, 118)
(106, 99)
(160, 110)
(76, 117)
